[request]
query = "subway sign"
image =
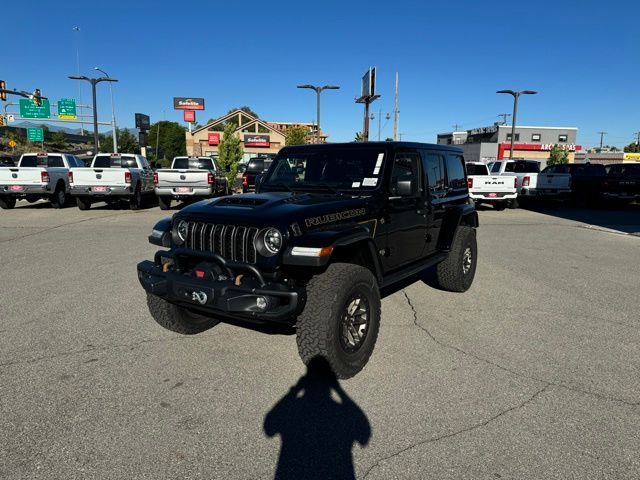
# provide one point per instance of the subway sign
(257, 141)
(188, 103)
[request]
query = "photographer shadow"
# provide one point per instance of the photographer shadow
(317, 432)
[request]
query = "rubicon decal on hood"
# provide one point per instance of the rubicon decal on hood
(334, 217)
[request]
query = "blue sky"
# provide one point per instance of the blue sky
(583, 57)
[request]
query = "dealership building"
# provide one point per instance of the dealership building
(491, 143)
(257, 137)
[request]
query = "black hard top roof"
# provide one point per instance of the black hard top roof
(377, 146)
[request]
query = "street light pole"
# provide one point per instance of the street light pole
(94, 82)
(318, 91)
(516, 95)
(113, 113)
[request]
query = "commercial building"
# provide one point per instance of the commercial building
(607, 158)
(491, 143)
(257, 137)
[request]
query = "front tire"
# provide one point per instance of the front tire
(7, 203)
(83, 204)
(456, 273)
(341, 318)
(178, 319)
(164, 202)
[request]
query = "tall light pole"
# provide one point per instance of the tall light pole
(516, 95)
(113, 113)
(77, 37)
(94, 82)
(318, 90)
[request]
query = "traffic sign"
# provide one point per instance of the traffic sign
(12, 143)
(28, 109)
(35, 134)
(67, 109)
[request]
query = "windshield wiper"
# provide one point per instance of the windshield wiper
(325, 186)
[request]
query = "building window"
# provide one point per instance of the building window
(517, 139)
(535, 137)
(562, 138)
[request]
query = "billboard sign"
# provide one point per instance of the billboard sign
(214, 138)
(142, 121)
(369, 83)
(188, 103)
(257, 141)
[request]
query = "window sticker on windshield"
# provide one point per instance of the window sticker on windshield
(376, 170)
(355, 185)
(369, 182)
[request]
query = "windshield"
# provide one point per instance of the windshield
(115, 161)
(326, 168)
(475, 169)
(41, 161)
(184, 163)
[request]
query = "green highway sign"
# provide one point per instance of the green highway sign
(28, 109)
(35, 134)
(67, 108)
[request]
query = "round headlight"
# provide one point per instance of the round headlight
(268, 242)
(180, 232)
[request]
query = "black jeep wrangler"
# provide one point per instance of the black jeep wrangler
(329, 226)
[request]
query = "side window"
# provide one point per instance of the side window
(495, 168)
(434, 171)
(455, 172)
(405, 168)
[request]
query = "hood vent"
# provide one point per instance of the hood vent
(239, 201)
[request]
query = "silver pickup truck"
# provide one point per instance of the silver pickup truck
(38, 176)
(189, 178)
(113, 177)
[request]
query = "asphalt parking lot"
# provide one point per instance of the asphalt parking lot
(533, 373)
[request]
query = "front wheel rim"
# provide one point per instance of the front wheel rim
(354, 323)
(467, 260)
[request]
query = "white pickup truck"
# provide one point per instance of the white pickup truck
(189, 178)
(38, 176)
(113, 177)
(527, 172)
(497, 190)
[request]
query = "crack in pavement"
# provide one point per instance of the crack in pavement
(513, 372)
(459, 432)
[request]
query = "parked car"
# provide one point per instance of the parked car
(527, 172)
(328, 228)
(622, 183)
(189, 178)
(37, 176)
(113, 177)
(579, 182)
(500, 191)
(256, 166)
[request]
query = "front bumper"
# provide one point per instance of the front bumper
(110, 191)
(231, 297)
(38, 189)
(173, 193)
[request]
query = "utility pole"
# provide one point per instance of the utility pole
(504, 117)
(602, 134)
(455, 127)
(77, 38)
(396, 112)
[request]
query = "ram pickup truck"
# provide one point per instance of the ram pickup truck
(113, 177)
(38, 176)
(499, 191)
(329, 226)
(578, 182)
(256, 166)
(189, 178)
(622, 183)
(527, 172)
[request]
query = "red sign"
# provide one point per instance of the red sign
(214, 138)
(257, 141)
(190, 116)
(533, 146)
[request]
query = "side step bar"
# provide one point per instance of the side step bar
(412, 270)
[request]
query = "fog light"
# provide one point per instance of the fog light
(261, 303)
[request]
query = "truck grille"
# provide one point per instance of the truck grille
(229, 241)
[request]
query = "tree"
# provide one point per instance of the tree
(172, 141)
(230, 153)
(559, 155)
(388, 139)
(632, 148)
(296, 135)
(59, 138)
(359, 137)
(127, 142)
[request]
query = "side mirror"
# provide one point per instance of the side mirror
(404, 188)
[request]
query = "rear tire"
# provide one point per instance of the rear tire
(164, 202)
(178, 319)
(135, 203)
(499, 206)
(59, 198)
(513, 204)
(83, 204)
(342, 307)
(456, 273)
(7, 203)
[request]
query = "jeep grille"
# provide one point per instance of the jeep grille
(229, 241)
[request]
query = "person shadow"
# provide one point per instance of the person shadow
(317, 432)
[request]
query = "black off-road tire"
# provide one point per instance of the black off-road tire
(59, 198)
(318, 327)
(164, 203)
(135, 202)
(178, 319)
(513, 204)
(7, 203)
(452, 274)
(83, 203)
